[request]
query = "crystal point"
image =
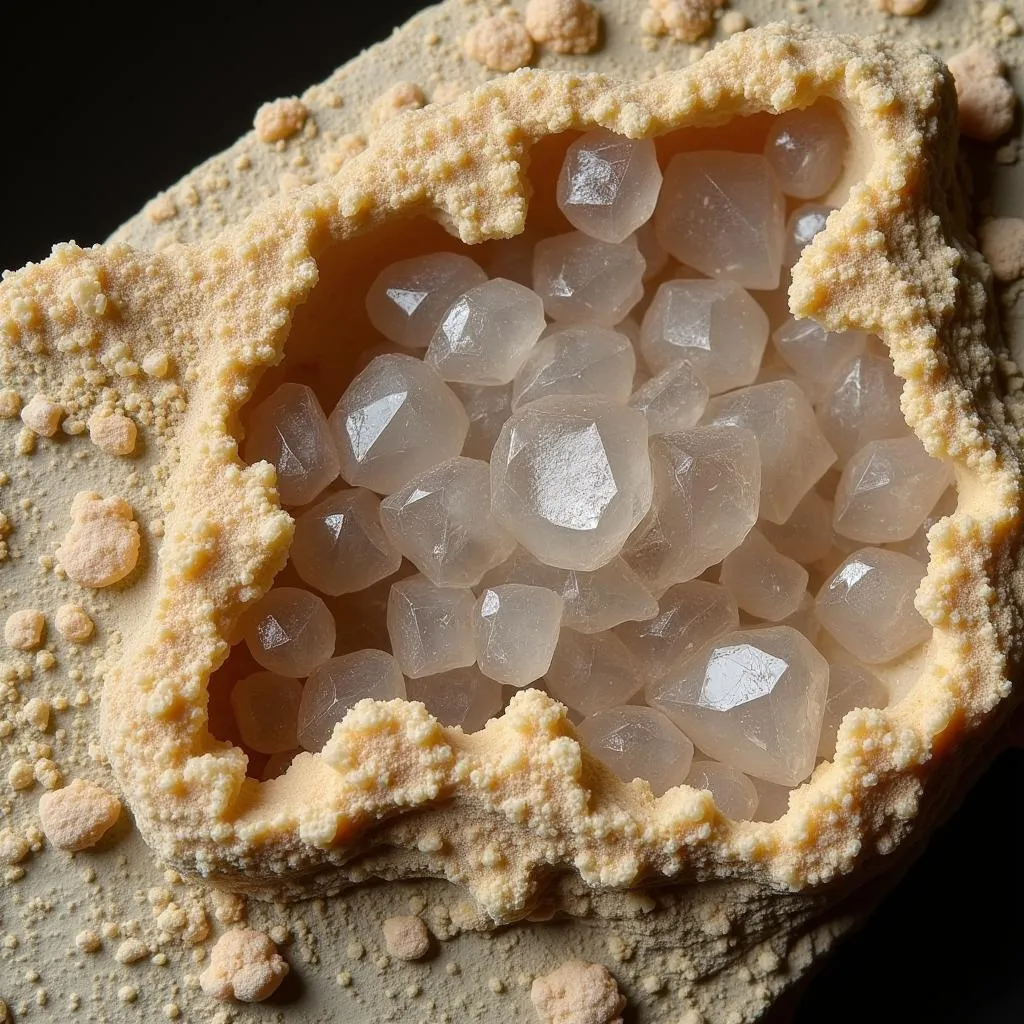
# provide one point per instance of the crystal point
(516, 629)
(290, 631)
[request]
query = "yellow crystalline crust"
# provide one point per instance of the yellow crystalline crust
(504, 810)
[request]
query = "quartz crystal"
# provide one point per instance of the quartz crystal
(806, 536)
(804, 619)
(609, 184)
(577, 361)
(850, 685)
(441, 521)
(806, 149)
(464, 697)
(766, 584)
(734, 794)
(724, 215)
(582, 280)
(516, 629)
(289, 430)
(689, 616)
(673, 400)
(396, 419)
(486, 334)
(591, 601)
(638, 743)
(362, 617)
(431, 627)
(591, 672)
(706, 486)
(772, 800)
(408, 298)
(753, 699)
(814, 352)
(266, 708)
(487, 409)
(290, 631)
(714, 326)
(338, 685)
(340, 546)
(801, 226)
(794, 452)
(654, 254)
(917, 544)
(886, 490)
(867, 604)
(571, 479)
(862, 405)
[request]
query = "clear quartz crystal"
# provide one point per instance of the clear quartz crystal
(583, 280)
(266, 707)
(396, 419)
(917, 544)
(571, 479)
(638, 743)
(766, 584)
(516, 629)
(408, 298)
(591, 601)
(290, 631)
(487, 409)
(340, 546)
(486, 334)
(689, 616)
(806, 149)
(862, 405)
(706, 486)
(734, 794)
(867, 604)
(801, 226)
(753, 699)
(794, 452)
(806, 536)
(814, 352)
(591, 672)
(850, 685)
(673, 400)
(441, 521)
(714, 326)
(431, 628)
(289, 430)
(338, 685)
(577, 361)
(651, 249)
(608, 185)
(463, 697)
(723, 214)
(886, 490)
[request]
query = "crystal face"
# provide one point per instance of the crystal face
(289, 430)
(591, 672)
(290, 631)
(706, 486)
(408, 298)
(638, 743)
(431, 628)
(814, 352)
(577, 361)
(266, 709)
(487, 408)
(850, 685)
(586, 281)
(463, 697)
(724, 215)
(441, 521)
(338, 685)
(794, 452)
(486, 334)
(516, 630)
(397, 419)
(868, 605)
(571, 479)
(805, 149)
(673, 400)
(887, 489)
(734, 794)
(801, 226)
(806, 536)
(767, 584)
(714, 326)
(753, 699)
(340, 546)
(608, 186)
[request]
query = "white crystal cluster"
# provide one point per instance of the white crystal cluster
(630, 478)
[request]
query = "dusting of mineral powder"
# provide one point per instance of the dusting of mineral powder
(42, 415)
(280, 119)
(78, 815)
(161, 209)
(102, 546)
(10, 404)
(565, 26)
(578, 993)
(244, 965)
(74, 623)
(903, 8)
(1002, 243)
(406, 937)
(398, 99)
(500, 43)
(113, 432)
(23, 630)
(987, 100)
(685, 20)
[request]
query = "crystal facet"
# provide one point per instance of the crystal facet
(591, 672)
(516, 630)
(734, 794)
(814, 352)
(806, 536)
(487, 409)
(673, 400)
(850, 685)
(767, 584)
(266, 707)
(464, 697)
(290, 631)
(802, 225)
(431, 628)
(805, 149)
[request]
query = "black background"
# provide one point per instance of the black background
(91, 128)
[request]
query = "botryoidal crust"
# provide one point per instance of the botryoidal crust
(506, 810)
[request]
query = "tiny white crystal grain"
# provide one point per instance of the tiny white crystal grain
(806, 149)
(734, 794)
(766, 584)
(431, 628)
(463, 696)
(673, 400)
(516, 629)
(591, 672)
(266, 708)
(290, 631)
